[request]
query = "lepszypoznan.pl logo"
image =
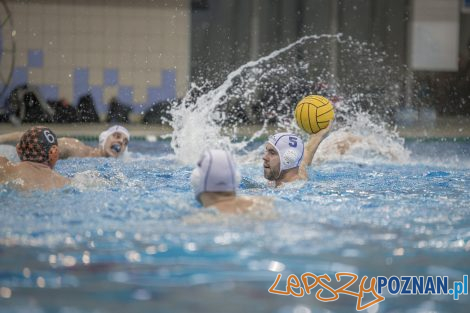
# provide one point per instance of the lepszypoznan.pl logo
(403, 285)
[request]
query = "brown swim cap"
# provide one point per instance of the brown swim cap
(35, 144)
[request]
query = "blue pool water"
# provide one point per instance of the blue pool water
(130, 237)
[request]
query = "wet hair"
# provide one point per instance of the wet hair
(35, 144)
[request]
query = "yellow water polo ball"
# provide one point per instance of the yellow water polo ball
(314, 113)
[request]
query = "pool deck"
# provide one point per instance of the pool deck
(441, 127)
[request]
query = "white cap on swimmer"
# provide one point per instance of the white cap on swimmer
(290, 148)
(104, 135)
(215, 172)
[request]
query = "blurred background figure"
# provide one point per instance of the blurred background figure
(140, 63)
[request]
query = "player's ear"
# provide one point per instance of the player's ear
(53, 155)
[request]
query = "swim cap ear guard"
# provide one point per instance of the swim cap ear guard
(215, 172)
(290, 148)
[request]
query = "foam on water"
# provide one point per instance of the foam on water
(363, 141)
(9, 152)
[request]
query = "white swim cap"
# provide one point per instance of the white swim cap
(290, 148)
(104, 135)
(215, 172)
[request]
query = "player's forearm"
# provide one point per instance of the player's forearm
(74, 148)
(311, 148)
(309, 152)
(11, 137)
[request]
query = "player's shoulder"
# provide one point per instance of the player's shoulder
(5, 164)
(4, 160)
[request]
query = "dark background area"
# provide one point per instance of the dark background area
(227, 34)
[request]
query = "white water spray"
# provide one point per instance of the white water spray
(198, 121)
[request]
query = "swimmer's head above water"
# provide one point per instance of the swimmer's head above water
(284, 153)
(39, 144)
(114, 141)
(215, 173)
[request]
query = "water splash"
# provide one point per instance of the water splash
(365, 141)
(264, 92)
(9, 152)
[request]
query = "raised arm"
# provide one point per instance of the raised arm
(11, 137)
(71, 147)
(309, 151)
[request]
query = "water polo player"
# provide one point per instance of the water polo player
(38, 151)
(215, 181)
(284, 153)
(112, 143)
(286, 158)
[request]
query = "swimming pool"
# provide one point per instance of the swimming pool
(130, 237)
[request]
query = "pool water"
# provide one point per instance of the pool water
(129, 236)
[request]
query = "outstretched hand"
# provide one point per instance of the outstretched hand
(322, 133)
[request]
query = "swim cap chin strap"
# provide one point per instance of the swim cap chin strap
(290, 148)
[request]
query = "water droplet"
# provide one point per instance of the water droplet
(275, 266)
(5, 292)
(190, 246)
(142, 295)
(86, 257)
(118, 234)
(68, 261)
(150, 250)
(133, 256)
(26, 272)
(41, 282)
(399, 251)
(52, 259)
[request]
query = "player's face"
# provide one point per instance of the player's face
(116, 144)
(271, 163)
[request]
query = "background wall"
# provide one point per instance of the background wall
(143, 51)
(229, 33)
(136, 50)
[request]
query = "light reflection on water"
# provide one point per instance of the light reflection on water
(123, 244)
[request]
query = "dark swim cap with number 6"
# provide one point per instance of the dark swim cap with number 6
(35, 144)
